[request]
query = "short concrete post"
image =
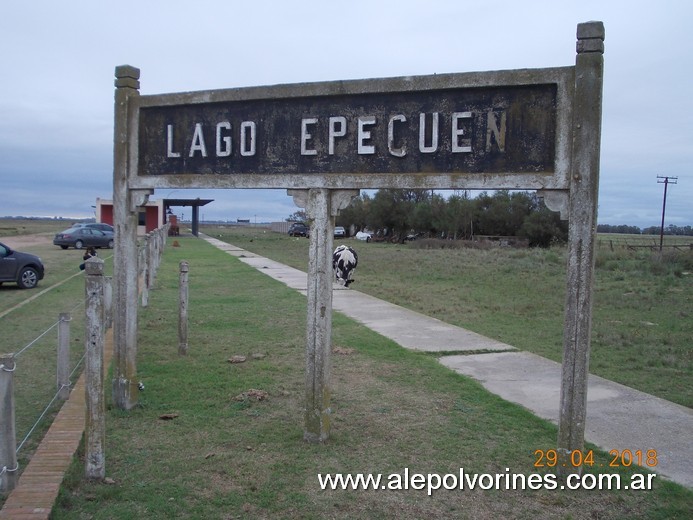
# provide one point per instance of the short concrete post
(63, 363)
(183, 310)
(145, 269)
(95, 420)
(108, 302)
(8, 439)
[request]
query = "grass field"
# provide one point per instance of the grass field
(643, 302)
(225, 456)
(31, 329)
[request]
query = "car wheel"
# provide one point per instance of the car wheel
(79, 244)
(110, 244)
(368, 239)
(28, 278)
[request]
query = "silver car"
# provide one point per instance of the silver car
(80, 237)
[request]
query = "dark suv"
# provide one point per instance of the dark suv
(23, 269)
(298, 229)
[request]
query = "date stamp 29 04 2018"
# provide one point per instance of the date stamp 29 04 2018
(617, 458)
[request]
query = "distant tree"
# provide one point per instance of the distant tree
(298, 216)
(502, 213)
(356, 214)
(393, 210)
(671, 229)
(459, 221)
(608, 228)
(543, 227)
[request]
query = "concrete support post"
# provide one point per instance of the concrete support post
(125, 207)
(8, 437)
(108, 301)
(95, 417)
(196, 220)
(584, 184)
(183, 310)
(63, 362)
(322, 205)
(145, 269)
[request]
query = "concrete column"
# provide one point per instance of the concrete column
(183, 310)
(95, 416)
(322, 205)
(8, 436)
(63, 362)
(584, 184)
(125, 204)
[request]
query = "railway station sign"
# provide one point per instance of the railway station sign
(470, 130)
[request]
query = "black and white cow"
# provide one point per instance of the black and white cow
(344, 261)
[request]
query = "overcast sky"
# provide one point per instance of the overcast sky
(58, 61)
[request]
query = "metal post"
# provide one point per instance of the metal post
(8, 439)
(95, 420)
(584, 185)
(183, 310)
(63, 363)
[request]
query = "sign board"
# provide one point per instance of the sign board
(475, 130)
(533, 129)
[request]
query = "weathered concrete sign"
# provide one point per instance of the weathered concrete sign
(536, 129)
(473, 130)
(453, 131)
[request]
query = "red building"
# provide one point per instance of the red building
(154, 214)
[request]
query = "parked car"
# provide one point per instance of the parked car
(364, 235)
(24, 269)
(298, 229)
(79, 237)
(94, 225)
(339, 232)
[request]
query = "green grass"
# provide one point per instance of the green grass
(32, 328)
(392, 409)
(14, 227)
(642, 308)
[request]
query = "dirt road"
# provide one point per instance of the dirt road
(20, 241)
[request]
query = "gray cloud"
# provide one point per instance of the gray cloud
(56, 97)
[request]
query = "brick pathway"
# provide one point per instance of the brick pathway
(38, 485)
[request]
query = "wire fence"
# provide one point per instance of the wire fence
(35, 363)
(42, 368)
(49, 405)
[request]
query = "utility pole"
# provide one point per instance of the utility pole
(666, 181)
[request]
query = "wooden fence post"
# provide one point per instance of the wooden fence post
(95, 420)
(183, 310)
(63, 363)
(8, 439)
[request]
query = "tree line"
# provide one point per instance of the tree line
(671, 229)
(403, 214)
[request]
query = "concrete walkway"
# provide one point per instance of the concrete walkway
(618, 417)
